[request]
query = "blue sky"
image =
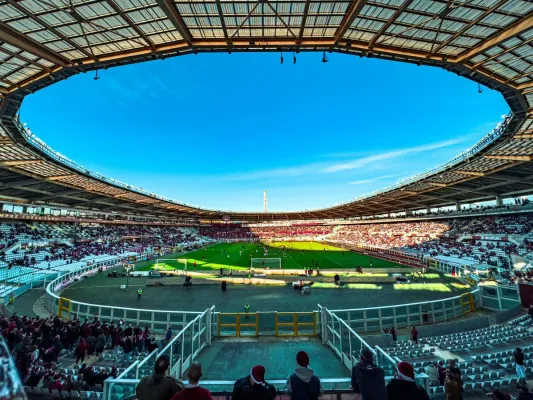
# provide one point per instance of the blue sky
(215, 130)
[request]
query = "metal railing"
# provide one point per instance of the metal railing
(156, 320)
(181, 350)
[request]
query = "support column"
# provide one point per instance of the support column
(457, 206)
(499, 201)
(428, 209)
(1, 207)
(24, 209)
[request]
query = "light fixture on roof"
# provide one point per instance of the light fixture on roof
(281, 58)
(96, 77)
(479, 90)
(294, 58)
(324, 58)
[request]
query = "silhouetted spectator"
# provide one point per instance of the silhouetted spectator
(192, 390)
(403, 386)
(303, 383)
(367, 378)
(158, 386)
(253, 386)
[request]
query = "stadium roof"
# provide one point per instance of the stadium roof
(488, 41)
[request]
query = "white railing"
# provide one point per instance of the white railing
(404, 315)
(181, 350)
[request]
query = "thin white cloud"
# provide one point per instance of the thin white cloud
(328, 167)
(377, 178)
(362, 182)
(364, 161)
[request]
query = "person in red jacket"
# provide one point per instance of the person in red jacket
(80, 351)
(57, 383)
(192, 390)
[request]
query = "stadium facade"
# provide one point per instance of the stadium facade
(489, 42)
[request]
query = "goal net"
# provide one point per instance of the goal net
(171, 263)
(270, 263)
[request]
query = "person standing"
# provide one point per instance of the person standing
(414, 334)
(453, 387)
(246, 310)
(519, 365)
(393, 334)
(139, 293)
(368, 379)
(192, 390)
(303, 383)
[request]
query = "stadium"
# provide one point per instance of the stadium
(110, 291)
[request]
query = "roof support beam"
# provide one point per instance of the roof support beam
(133, 25)
(222, 21)
(471, 173)
(174, 16)
(40, 21)
(23, 42)
(351, 14)
(512, 48)
(389, 23)
(523, 136)
(512, 30)
(510, 158)
(304, 19)
(59, 177)
(19, 162)
(470, 25)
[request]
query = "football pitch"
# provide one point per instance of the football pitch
(293, 255)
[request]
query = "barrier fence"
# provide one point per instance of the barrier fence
(181, 350)
(156, 320)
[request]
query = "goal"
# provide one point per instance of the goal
(265, 263)
(176, 263)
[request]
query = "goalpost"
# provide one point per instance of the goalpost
(270, 263)
(160, 262)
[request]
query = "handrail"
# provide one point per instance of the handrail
(354, 333)
(385, 354)
(127, 370)
(484, 142)
(404, 305)
(53, 294)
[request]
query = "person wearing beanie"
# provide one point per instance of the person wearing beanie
(192, 390)
(253, 386)
(303, 384)
(368, 379)
(158, 386)
(403, 386)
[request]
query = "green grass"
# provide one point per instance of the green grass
(298, 256)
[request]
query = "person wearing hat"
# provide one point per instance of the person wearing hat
(367, 378)
(158, 386)
(303, 383)
(403, 386)
(253, 386)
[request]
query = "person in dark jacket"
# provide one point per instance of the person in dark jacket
(368, 379)
(403, 386)
(253, 386)
(158, 386)
(519, 365)
(303, 383)
(530, 312)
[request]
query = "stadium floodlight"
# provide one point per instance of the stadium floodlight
(294, 58)
(265, 263)
(281, 58)
(96, 77)
(324, 58)
(479, 90)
